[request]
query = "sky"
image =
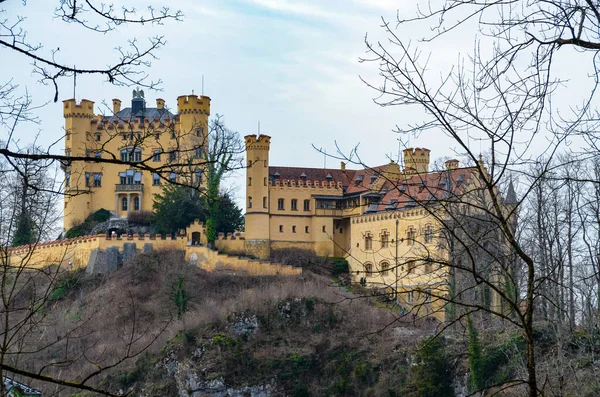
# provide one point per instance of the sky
(293, 66)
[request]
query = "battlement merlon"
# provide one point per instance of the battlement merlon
(193, 104)
(260, 142)
(416, 159)
(84, 109)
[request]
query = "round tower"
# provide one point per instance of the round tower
(78, 118)
(416, 160)
(257, 196)
(193, 112)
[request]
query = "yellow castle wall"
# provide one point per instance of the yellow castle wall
(214, 261)
(87, 135)
(409, 277)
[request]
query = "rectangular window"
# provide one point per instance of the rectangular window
(249, 181)
(172, 156)
(98, 155)
(137, 155)
(368, 241)
(306, 229)
(280, 204)
(280, 228)
(87, 179)
(410, 237)
(264, 202)
(87, 154)
(428, 234)
(173, 135)
(294, 229)
(123, 179)
(324, 229)
(385, 239)
(427, 293)
(409, 297)
(294, 205)
(98, 137)
(124, 155)
(199, 152)
(67, 179)
(199, 177)
(249, 202)
(155, 179)
(67, 153)
(265, 181)
(97, 180)
(306, 205)
(156, 156)
(199, 131)
(173, 177)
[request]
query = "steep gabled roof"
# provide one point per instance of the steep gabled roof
(355, 181)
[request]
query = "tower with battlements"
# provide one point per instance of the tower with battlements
(111, 148)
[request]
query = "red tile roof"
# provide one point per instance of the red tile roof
(417, 188)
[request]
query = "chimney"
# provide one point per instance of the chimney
(451, 164)
(343, 166)
(116, 106)
(160, 103)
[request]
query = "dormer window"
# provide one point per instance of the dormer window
(329, 176)
(374, 178)
(358, 180)
(276, 175)
(303, 176)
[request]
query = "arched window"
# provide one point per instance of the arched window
(368, 269)
(385, 266)
(124, 203)
(249, 202)
(136, 203)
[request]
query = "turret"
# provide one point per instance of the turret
(416, 160)
(78, 119)
(193, 112)
(257, 195)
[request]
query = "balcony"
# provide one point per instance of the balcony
(129, 187)
(338, 212)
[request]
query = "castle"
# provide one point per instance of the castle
(164, 147)
(388, 223)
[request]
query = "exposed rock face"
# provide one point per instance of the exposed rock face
(122, 224)
(101, 261)
(190, 384)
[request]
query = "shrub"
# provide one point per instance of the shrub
(299, 257)
(339, 266)
(142, 218)
(101, 215)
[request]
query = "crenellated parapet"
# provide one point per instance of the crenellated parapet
(326, 186)
(260, 142)
(396, 214)
(84, 109)
(192, 104)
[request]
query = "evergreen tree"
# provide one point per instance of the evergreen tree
(24, 233)
(477, 379)
(432, 376)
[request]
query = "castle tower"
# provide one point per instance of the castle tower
(77, 197)
(257, 196)
(193, 112)
(416, 160)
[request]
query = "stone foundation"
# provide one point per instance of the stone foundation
(260, 249)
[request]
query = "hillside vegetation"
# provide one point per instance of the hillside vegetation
(218, 334)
